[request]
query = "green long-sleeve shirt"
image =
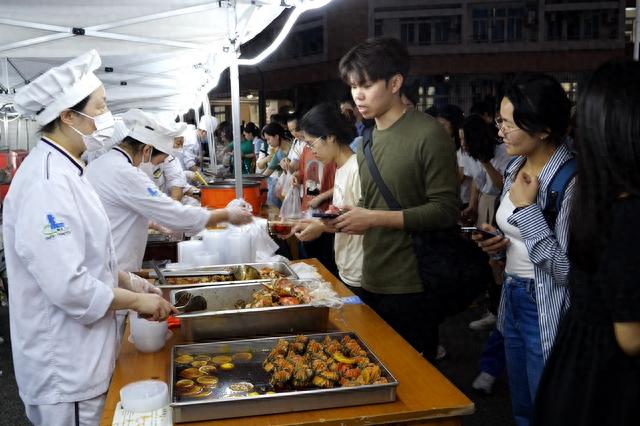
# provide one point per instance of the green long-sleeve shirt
(417, 161)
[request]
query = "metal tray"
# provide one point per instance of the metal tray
(221, 320)
(223, 403)
(280, 267)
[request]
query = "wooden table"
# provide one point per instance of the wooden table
(424, 395)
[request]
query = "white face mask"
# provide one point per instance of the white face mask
(104, 131)
(146, 166)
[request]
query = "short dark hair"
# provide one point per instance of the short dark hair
(326, 120)
(274, 129)
(251, 128)
(373, 60)
(454, 115)
(136, 146)
(51, 126)
(478, 138)
(225, 128)
(540, 104)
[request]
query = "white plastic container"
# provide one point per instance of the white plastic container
(144, 396)
(207, 259)
(215, 243)
(239, 248)
(187, 251)
(148, 336)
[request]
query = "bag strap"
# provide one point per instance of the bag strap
(556, 189)
(367, 135)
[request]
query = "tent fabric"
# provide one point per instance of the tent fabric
(156, 55)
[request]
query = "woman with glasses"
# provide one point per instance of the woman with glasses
(534, 119)
(328, 135)
(593, 374)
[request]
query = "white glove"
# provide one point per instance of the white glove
(238, 216)
(140, 285)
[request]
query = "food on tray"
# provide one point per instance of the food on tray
(221, 359)
(270, 273)
(305, 363)
(205, 358)
(199, 279)
(242, 356)
(184, 359)
(191, 373)
(241, 387)
(280, 292)
(185, 384)
(192, 391)
(227, 366)
(207, 381)
(198, 364)
(208, 369)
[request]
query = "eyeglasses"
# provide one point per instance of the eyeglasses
(312, 143)
(505, 127)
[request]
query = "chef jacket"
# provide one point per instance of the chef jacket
(169, 174)
(61, 268)
(189, 154)
(131, 199)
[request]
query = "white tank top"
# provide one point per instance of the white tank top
(518, 262)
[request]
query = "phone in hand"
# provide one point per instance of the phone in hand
(475, 229)
(326, 215)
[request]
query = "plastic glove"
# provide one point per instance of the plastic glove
(238, 216)
(140, 285)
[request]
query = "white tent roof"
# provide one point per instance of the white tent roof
(161, 56)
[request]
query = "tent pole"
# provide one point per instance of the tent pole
(5, 80)
(213, 161)
(636, 33)
(235, 121)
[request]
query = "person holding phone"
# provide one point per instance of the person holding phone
(328, 134)
(534, 121)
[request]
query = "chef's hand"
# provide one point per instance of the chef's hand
(524, 190)
(238, 216)
(355, 221)
(140, 285)
(315, 202)
(490, 245)
(312, 231)
(153, 307)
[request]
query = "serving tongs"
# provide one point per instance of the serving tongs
(187, 302)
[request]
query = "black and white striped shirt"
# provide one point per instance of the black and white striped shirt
(547, 248)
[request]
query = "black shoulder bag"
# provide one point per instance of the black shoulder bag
(453, 269)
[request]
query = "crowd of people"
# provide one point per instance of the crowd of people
(546, 204)
(547, 189)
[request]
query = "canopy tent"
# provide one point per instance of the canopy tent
(163, 57)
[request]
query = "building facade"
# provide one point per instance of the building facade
(461, 49)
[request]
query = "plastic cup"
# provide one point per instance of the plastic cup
(148, 336)
(144, 396)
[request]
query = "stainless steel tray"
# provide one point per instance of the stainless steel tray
(222, 320)
(224, 403)
(280, 267)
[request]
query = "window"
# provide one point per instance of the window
(583, 25)
(377, 28)
(431, 30)
(302, 43)
(497, 25)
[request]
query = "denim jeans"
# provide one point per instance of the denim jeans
(523, 350)
(493, 360)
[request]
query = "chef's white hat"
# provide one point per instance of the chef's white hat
(59, 88)
(147, 129)
(208, 123)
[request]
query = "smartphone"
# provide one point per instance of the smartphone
(326, 215)
(472, 229)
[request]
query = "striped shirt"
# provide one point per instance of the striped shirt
(547, 248)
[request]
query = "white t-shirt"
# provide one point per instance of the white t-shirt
(474, 169)
(465, 186)
(348, 248)
(518, 262)
(296, 150)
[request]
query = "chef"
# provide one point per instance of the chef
(61, 262)
(131, 199)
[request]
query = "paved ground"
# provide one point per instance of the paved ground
(463, 345)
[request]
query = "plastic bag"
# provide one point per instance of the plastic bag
(291, 208)
(322, 294)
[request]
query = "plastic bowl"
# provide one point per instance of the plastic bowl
(144, 396)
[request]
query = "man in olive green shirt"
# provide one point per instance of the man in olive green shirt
(417, 162)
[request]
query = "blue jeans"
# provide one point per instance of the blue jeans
(493, 359)
(523, 349)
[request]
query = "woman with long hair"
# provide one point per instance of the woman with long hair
(593, 374)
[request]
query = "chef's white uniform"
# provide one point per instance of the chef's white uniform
(61, 267)
(131, 199)
(189, 154)
(169, 174)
